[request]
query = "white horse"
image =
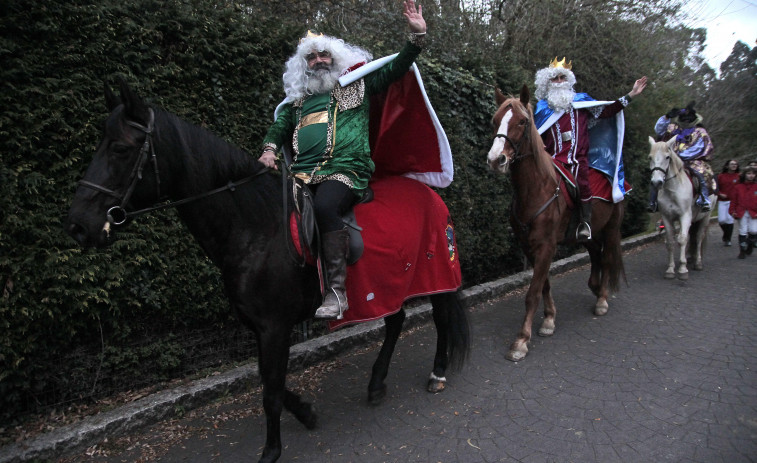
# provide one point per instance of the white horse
(677, 202)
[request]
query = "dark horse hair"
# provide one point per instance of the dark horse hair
(148, 155)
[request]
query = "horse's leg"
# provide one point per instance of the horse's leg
(683, 241)
(437, 379)
(452, 338)
(273, 346)
(301, 410)
(670, 244)
(550, 311)
(598, 278)
(698, 242)
(543, 254)
(609, 258)
(595, 274)
(376, 386)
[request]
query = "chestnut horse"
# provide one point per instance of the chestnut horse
(540, 216)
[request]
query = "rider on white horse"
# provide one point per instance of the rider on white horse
(693, 145)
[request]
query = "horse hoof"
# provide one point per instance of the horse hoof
(307, 416)
(669, 275)
(515, 355)
(546, 332)
(698, 266)
(683, 276)
(270, 455)
(547, 327)
(375, 397)
(600, 309)
(436, 385)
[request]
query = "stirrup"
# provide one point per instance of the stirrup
(704, 204)
(330, 315)
(581, 234)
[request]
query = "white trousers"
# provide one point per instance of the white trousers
(747, 225)
(723, 216)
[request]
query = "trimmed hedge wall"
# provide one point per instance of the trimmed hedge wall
(216, 64)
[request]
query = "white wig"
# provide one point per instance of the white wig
(343, 56)
(544, 76)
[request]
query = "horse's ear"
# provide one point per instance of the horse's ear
(651, 141)
(671, 143)
(111, 100)
(525, 95)
(499, 97)
(134, 107)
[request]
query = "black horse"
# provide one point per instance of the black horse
(147, 156)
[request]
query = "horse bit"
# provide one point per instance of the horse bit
(117, 215)
(664, 172)
(516, 146)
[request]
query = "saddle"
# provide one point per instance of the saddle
(302, 220)
(305, 232)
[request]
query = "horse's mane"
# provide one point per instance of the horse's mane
(214, 161)
(215, 156)
(544, 164)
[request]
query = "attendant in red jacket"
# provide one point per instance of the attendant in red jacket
(727, 180)
(744, 208)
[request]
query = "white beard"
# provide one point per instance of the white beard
(560, 96)
(321, 81)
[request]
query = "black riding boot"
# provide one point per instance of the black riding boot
(583, 232)
(727, 233)
(704, 198)
(742, 246)
(751, 241)
(334, 248)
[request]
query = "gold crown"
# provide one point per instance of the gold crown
(310, 35)
(561, 64)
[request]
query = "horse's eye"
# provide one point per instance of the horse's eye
(119, 148)
(522, 123)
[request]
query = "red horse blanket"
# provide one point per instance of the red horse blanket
(410, 250)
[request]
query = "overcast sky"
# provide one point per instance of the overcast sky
(726, 21)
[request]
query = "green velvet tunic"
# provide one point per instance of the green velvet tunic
(333, 140)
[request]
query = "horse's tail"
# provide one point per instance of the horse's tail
(449, 312)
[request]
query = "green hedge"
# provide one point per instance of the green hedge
(215, 64)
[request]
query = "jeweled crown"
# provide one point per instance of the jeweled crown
(310, 35)
(561, 64)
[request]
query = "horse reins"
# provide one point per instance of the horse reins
(517, 155)
(117, 215)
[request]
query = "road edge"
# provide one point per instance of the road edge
(172, 402)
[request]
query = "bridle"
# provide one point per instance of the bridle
(664, 171)
(117, 215)
(517, 155)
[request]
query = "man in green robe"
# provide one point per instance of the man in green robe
(328, 128)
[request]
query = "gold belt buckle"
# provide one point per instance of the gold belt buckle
(303, 176)
(566, 136)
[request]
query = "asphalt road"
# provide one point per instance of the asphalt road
(667, 375)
